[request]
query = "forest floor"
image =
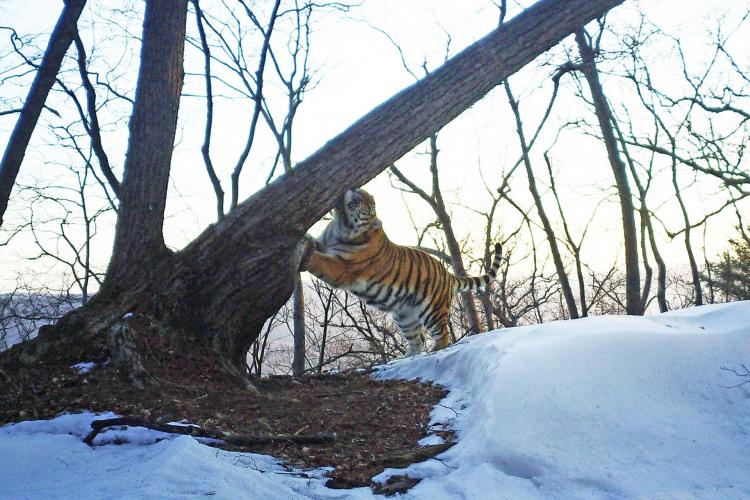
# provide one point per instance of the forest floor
(374, 424)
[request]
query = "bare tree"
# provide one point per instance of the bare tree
(203, 290)
(261, 345)
(549, 232)
(437, 204)
(523, 301)
(65, 232)
(699, 128)
(295, 77)
(206, 147)
(647, 228)
(573, 246)
(60, 40)
(604, 117)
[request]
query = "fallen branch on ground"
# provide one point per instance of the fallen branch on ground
(400, 460)
(393, 461)
(191, 430)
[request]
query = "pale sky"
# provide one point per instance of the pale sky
(356, 68)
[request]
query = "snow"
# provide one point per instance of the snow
(153, 465)
(604, 407)
(84, 366)
(600, 407)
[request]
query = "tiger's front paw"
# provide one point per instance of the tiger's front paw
(305, 249)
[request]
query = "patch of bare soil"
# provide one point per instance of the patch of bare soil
(373, 424)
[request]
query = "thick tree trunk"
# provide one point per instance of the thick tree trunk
(138, 237)
(61, 38)
(633, 304)
(222, 287)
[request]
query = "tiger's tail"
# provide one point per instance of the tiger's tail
(475, 283)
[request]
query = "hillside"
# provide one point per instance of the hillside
(605, 407)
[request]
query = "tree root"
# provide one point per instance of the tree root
(242, 377)
(229, 439)
(393, 461)
(401, 460)
(125, 356)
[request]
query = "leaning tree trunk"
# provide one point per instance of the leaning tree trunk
(222, 287)
(59, 41)
(633, 304)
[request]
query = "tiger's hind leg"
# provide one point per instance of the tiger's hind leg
(440, 333)
(412, 331)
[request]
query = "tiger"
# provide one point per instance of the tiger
(353, 253)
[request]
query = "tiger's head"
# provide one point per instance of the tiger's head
(356, 211)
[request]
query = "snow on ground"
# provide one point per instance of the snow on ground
(605, 407)
(601, 407)
(47, 459)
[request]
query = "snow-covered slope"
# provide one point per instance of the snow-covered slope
(599, 407)
(47, 459)
(607, 407)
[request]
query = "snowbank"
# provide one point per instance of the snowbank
(606, 407)
(47, 459)
(599, 407)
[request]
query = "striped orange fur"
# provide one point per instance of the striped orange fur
(354, 254)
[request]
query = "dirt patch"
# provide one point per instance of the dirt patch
(376, 423)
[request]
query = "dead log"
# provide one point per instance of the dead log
(238, 440)
(405, 459)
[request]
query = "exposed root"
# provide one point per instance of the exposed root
(125, 355)
(242, 377)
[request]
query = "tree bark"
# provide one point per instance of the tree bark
(220, 289)
(298, 305)
(633, 304)
(138, 235)
(59, 42)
